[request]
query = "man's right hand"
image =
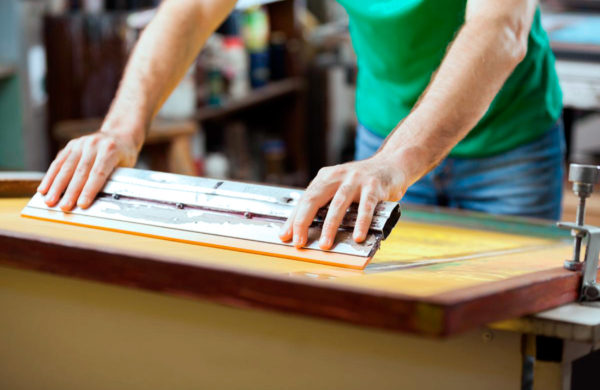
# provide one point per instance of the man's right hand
(81, 169)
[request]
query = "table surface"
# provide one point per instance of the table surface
(439, 273)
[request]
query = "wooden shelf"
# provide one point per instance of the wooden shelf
(19, 183)
(270, 92)
(161, 130)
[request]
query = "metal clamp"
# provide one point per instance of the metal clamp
(590, 289)
(584, 177)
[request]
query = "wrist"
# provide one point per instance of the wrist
(129, 128)
(404, 152)
(412, 161)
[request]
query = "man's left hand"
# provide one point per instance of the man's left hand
(367, 182)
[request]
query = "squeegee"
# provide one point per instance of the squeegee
(224, 214)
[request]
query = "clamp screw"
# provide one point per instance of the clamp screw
(591, 292)
(583, 178)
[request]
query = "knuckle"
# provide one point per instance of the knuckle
(310, 197)
(61, 174)
(299, 225)
(323, 171)
(367, 211)
(325, 174)
(364, 222)
(110, 145)
(92, 140)
(339, 167)
(69, 164)
(82, 169)
(332, 171)
(372, 182)
(338, 202)
(75, 144)
(100, 173)
(346, 190)
(329, 226)
(353, 175)
(364, 219)
(86, 192)
(371, 199)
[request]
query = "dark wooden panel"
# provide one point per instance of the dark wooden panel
(85, 57)
(15, 184)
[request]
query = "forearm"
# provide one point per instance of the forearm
(160, 59)
(483, 55)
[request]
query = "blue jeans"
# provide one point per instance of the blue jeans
(525, 181)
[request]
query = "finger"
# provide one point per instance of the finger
(53, 170)
(366, 209)
(62, 178)
(103, 166)
(337, 209)
(79, 178)
(285, 234)
(312, 200)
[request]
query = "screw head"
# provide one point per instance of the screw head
(573, 265)
(585, 174)
(591, 292)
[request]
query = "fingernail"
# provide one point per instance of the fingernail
(325, 242)
(83, 201)
(296, 239)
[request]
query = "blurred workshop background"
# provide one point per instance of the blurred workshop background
(270, 98)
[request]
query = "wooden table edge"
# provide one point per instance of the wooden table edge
(224, 285)
(482, 302)
(436, 315)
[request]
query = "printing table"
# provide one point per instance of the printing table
(439, 305)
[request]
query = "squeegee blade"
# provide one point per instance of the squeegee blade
(225, 214)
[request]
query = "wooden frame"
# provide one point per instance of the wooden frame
(438, 315)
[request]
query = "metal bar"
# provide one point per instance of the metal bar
(234, 197)
(580, 220)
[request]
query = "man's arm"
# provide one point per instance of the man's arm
(490, 44)
(160, 59)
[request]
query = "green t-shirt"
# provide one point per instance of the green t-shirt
(400, 43)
